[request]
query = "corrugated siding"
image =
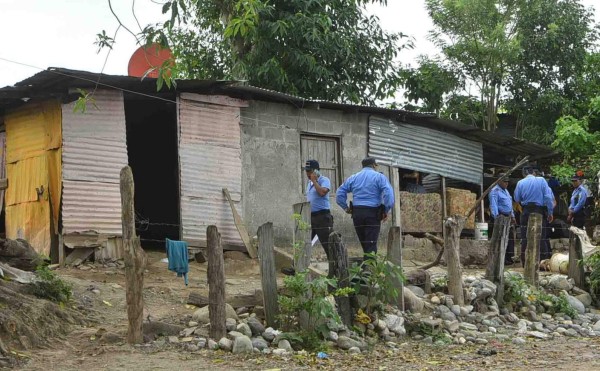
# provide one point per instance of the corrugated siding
(426, 150)
(94, 151)
(209, 160)
(33, 140)
(2, 165)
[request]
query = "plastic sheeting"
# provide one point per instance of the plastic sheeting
(33, 168)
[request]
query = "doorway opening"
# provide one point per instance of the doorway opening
(153, 156)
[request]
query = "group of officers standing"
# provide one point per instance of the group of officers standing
(533, 194)
(373, 198)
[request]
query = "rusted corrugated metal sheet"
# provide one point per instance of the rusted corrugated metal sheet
(94, 151)
(2, 165)
(209, 160)
(33, 139)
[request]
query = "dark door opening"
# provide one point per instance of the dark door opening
(153, 157)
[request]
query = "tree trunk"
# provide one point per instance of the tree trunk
(532, 254)
(576, 271)
(135, 261)
(394, 255)
(496, 255)
(454, 226)
(267, 273)
(339, 255)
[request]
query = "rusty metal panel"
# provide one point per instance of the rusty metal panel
(27, 178)
(25, 134)
(94, 152)
(91, 206)
(209, 160)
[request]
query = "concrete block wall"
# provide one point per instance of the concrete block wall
(271, 160)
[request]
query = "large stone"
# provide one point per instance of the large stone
(242, 344)
(596, 326)
(448, 316)
(538, 334)
(244, 329)
(468, 326)
(346, 343)
(416, 290)
(452, 326)
(234, 334)
(354, 350)
(585, 299)
(455, 309)
(395, 324)
(226, 344)
(560, 282)
(284, 344)
(259, 343)
(269, 334)
(230, 324)
(201, 315)
(256, 326)
(576, 304)
(212, 345)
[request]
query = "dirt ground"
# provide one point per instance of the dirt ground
(102, 295)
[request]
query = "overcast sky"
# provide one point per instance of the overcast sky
(61, 33)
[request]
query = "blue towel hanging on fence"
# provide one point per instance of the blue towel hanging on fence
(177, 252)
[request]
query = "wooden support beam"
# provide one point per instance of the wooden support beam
(239, 224)
(216, 284)
(532, 254)
(135, 261)
(454, 226)
(267, 273)
(496, 255)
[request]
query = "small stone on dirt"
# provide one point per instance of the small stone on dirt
(256, 326)
(284, 344)
(173, 339)
(346, 343)
(354, 350)
(280, 352)
(235, 255)
(225, 344)
(259, 343)
(244, 329)
(212, 345)
(242, 344)
(201, 315)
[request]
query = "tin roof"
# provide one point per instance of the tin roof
(56, 82)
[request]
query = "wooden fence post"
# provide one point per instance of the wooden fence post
(267, 273)
(394, 255)
(496, 255)
(453, 226)
(216, 284)
(135, 261)
(532, 254)
(576, 271)
(339, 265)
(302, 244)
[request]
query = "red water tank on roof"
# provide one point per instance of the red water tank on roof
(146, 58)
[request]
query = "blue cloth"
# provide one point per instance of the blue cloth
(534, 190)
(500, 202)
(578, 199)
(177, 252)
(553, 182)
(369, 188)
(318, 202)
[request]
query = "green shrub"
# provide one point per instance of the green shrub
(50, 286)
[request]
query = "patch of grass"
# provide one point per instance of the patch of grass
(50, 286)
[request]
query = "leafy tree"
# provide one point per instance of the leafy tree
(579, 146)
(464, 108)
(324, 49)
(554, 38)
(480, 37)
(429, 83)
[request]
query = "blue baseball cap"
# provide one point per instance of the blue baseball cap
(311, 165)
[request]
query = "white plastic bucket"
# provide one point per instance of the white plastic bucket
(481, 231)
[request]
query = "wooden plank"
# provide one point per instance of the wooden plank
(240, 226)
(3, 183)
(267, 273)
(79, 255)
(394, 255)
(496, 255)
(576, 269)
(532, 254)
(61, 250)
(454, 226)
(216, 284)
(289, 258)
(135, 261)
(339, 255)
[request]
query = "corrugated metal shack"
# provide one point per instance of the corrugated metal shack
(186, 145)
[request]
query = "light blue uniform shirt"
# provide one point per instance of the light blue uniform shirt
(578, 199)
(534, 190)
(369, 188)
(500, 202)
(318, 202)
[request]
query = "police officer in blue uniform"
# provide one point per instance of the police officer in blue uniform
(535, 196)
(501, 204)
(373, 198)
(578, 202)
